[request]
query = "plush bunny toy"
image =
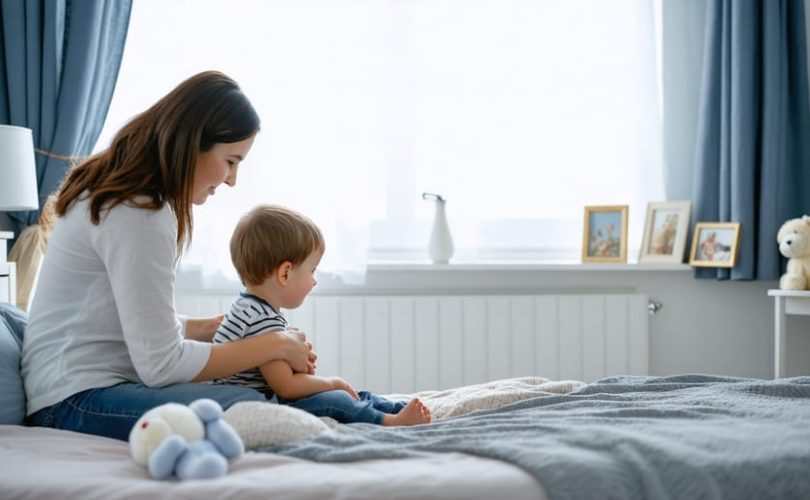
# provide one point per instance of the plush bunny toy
(191, 442)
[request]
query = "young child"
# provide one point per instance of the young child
(276, 251)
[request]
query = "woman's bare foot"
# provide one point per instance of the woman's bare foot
(414, 413)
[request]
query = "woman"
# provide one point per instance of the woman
(104, 343)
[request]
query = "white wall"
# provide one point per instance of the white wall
(705, 326)
(682, 42)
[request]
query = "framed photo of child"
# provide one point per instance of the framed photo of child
(715, 244)
(605, 234)
(665, 230)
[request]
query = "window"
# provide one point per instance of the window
(519, 112)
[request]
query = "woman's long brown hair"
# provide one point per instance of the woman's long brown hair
(151, 160)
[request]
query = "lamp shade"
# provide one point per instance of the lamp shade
(18, 170)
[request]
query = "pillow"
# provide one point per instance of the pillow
(12, 396)
(261, 424)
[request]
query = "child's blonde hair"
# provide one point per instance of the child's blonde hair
(269, 235)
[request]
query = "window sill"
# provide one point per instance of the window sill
(501, 277)
(507, 259)
(418, 276)
(523, 266)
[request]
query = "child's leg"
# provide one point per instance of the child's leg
(345, 409)
(381, 403)
(415, 412)
(339, 405)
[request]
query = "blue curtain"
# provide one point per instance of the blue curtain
(752, 164)
(58, 66)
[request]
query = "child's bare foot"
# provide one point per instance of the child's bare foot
(414, 413)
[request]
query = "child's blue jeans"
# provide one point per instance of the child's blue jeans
(345, 409)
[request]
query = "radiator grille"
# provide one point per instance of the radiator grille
(410, 343)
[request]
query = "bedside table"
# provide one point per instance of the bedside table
(788, 303)
(8, 275)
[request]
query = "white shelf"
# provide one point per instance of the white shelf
(786, 303)
(525, 266)
(4, 235)
(788, 293)
(8, 283)
(8, 275)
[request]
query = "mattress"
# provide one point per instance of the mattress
(40, 463)
(623, 437)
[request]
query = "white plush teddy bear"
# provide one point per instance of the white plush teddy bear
(191, 442)
(794, 243)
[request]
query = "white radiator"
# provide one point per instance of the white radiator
(404, 343)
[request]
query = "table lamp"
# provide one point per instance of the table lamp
(18, 172)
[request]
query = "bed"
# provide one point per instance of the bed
(48, 464)
(41, 463)
(687, 436)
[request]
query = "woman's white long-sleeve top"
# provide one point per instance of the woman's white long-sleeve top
(103, 312)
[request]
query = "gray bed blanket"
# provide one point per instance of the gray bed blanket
(690, 436)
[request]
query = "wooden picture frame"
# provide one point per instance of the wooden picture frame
(604, 236)
(666, 229)
(715, 244)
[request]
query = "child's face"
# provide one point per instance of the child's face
(301, 280)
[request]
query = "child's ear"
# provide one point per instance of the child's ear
(283, 272)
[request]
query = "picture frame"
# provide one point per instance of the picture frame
(604, 236)
(666, 228)
(715, 244)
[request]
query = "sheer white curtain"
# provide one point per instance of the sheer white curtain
(520, 112)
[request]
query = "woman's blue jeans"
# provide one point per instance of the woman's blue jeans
(345, 409)
(112, 411)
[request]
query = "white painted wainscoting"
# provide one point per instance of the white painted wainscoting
(407, 343)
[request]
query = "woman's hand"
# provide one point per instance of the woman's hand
(254, 351)
(300, 355)
(203, 329)
(341, 385)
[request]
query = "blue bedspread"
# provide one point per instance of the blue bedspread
(690, 436)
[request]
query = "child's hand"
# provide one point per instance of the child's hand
(341, 385)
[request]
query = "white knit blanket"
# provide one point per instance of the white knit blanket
(262, 424)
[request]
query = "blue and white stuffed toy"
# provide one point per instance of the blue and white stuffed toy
(190, 442)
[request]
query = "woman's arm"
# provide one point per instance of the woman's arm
(240, 355)
(202, 329)
(280, 377)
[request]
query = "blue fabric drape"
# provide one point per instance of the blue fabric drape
(752, 163)
(58, 66)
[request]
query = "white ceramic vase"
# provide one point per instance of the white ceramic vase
(441, 247)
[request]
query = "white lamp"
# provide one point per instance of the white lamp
(18, 174)
(18, 170)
